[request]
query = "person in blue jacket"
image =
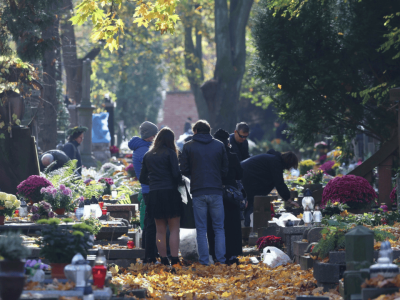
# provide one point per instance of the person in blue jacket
(140, 145)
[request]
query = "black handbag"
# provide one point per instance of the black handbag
(232, 196)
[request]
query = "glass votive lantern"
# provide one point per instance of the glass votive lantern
(99, 275)
(101, 204)
(130, 244)
(104, 210)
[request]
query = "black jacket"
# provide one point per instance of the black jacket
(160, 169)
(59, 156)
(204, 159)
(242, 150)
(72, 151)
(235, 171)
(263, 172)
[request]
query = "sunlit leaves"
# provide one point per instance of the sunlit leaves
(245, 281)
(161, 11)
(108, 26)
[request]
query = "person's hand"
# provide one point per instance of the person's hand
(292, 203)
(247, 203)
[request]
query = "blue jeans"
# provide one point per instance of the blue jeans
(214, 205)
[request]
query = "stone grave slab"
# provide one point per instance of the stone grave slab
(314, 234)
(113, 254)
(306, 262)
(261, 212)
(124, 211)
(103, 294)
(328, 274)
(372, 293)
(299, 248)
(140, 293)
(111, 233)
(290, 235)
(264, 231)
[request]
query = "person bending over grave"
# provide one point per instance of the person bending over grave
(264, 172)
(51, 156)
(75, 138)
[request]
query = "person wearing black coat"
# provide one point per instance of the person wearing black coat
(204, 159)
(232, 223)
(50, 156)
(161, 172)
(264, 172)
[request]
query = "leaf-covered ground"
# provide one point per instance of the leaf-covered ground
(245, 281)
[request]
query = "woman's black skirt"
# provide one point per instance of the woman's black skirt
(165, 204)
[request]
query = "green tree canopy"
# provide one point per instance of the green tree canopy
(321, 62)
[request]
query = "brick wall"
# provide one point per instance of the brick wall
(177, 107)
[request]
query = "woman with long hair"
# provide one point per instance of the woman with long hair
(161, 172)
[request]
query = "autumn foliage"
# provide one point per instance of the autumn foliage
(245, 281)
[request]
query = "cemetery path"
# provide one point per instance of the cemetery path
(245, 281)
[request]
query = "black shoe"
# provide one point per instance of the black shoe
(151, 260)
(175, 260)
(233, 261)
(165, 261)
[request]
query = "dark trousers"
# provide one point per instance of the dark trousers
(248, 211)
(149, 232)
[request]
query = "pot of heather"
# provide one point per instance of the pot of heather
(12, 266)
(30, 188)
(355, 191)
(60, 244)
(59, 198)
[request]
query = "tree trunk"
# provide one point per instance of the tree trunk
(48, 134)
(70, 59)
(222, 93)
(193, 58)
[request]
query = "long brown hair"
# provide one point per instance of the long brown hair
(165, 137)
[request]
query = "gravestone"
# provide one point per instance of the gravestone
(124, 211)
(18, 158)
(314, 234)
(261, 212)
(85, 111)
(359, 255)
(289, 236)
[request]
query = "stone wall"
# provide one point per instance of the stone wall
(177, 107)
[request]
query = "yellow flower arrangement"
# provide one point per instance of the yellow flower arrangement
(306, 165)
(8, 204)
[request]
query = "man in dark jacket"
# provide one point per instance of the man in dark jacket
(262, 173)
(140, 145)
(204, 159)
(238, 141)
(50, 156)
